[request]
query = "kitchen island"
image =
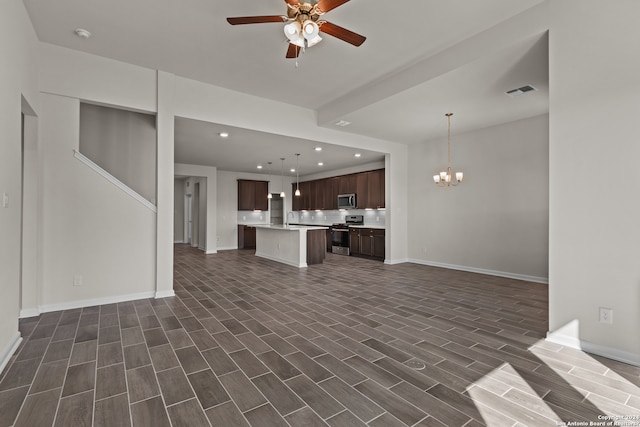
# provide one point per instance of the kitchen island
(295, 245)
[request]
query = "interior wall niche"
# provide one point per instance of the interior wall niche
(123, 143)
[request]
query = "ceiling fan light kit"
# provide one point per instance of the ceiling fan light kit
(304, 24)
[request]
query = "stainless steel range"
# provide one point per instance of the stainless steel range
(340, 234)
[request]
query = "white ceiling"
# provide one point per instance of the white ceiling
(421, 59)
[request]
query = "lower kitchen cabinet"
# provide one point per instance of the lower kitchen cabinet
(354, 241)
(246, 237)
(367, 242)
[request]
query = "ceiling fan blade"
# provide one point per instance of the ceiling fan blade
(342, 33)
(292, 2)
(256, 19)
(326, 5)
(293, 51)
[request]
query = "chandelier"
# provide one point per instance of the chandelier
(444, 178)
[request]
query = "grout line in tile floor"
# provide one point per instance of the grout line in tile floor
(474, 333)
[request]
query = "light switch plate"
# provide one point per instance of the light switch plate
(5, 200)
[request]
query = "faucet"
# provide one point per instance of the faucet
(287, 220)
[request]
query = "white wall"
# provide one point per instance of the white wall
(123, 143)
(178, 210)
(90, 227)
(594, 152)
(496, 220)
(31, 184)
(18, 78)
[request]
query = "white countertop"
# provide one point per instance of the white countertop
(291, 227)
(377, 227)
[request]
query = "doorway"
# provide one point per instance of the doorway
(276, 209)
(195, 216)
(30, 269)
(188, 220)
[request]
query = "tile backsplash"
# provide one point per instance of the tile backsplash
(371, 217)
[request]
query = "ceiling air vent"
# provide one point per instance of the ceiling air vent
(521, 90)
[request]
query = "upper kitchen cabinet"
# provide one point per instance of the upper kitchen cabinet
(347, 184)
(331, 193)
(362, 190)
(375, 193)
(323, 193)
(252, 195)
(303, 201)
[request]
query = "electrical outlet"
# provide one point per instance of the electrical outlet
(77, 280)
(424, 250)
(606, 315)
(5, 200)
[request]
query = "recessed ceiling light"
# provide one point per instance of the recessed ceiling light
(292, 170)
(318, 148)
(357, 155)
(82, 33)
(320, 164)
(342, 123)
(223, 134)
(259, 166)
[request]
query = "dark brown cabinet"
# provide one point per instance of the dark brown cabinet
(303, 201)
(252, 195)
(362, 190)
(323, 193)
(354, 241)
(367, 242)
(347, 184)
(246, 237)
(331, 193)
(375, 189)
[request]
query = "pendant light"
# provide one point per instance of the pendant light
(282, 176)
(443, 179)
(269, 196)
(297, 174)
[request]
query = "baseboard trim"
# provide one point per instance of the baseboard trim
(214, 251)
(589, 347)
(527, 278)
(11, 348)
(230, 248)
(95, 301)
(396, 261)
(178, 241)
(29, 312)
(165, 294)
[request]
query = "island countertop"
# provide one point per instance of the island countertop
(291, 227)
(295, 245)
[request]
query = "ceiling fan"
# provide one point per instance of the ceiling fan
(304, 24)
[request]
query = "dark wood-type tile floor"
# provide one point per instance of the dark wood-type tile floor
(351, 342)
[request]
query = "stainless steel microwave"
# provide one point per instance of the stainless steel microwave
(347, 201)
